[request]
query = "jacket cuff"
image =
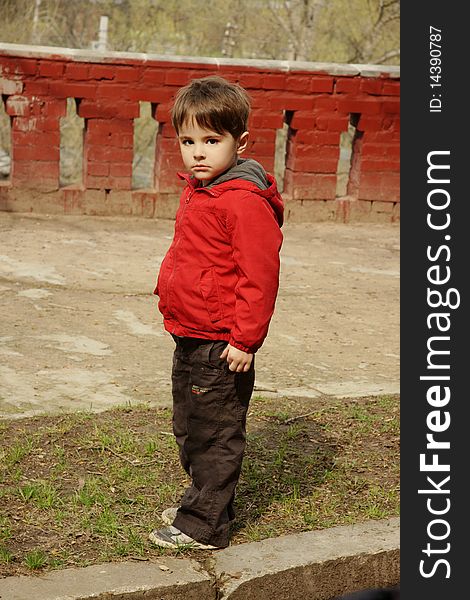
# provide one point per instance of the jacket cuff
(241, 347)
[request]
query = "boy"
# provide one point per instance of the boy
(217, 288)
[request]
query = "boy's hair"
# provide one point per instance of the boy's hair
(214, 103)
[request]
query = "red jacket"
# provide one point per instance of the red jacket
(220, 276)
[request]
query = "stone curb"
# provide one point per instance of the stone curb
(318, 565)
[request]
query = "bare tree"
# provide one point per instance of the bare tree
(297, 19)
(377, 41)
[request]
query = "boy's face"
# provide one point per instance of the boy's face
(206, 154)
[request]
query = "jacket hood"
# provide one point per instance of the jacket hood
(247, 169)
(248, 174)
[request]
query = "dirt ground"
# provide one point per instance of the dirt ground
(80, 327)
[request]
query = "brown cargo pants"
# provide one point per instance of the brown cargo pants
(210, 403)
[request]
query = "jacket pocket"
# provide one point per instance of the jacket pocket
(210, 291)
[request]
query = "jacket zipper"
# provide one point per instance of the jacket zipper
(186, 202)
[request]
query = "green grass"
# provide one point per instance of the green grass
(82, 489)
(35, 559)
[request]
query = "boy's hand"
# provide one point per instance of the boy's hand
(238, 360)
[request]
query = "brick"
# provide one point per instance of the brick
(376, 179)
(310, 185)
(371, 86)
(121, 140)
(263, 135)
(98, 183)
(100, 169)
(128, 73)
(77, 71)
(106, 126)
(37, 106)
(51, 68)
(260, 148)
(373, 149)
(39, 153)
(99, 109)
(347, 85)
(274, 81)
(370, 164)
(143, 203)
(391, 122)
(296, 83)
(37, 138)
(312, 164)
(27, 171)
(102, 72)
(367, 123)
(391, 88)
(153, 76)
(169, 145)
(54, 108)
(314, 152)
(69, 89)
(290, 102)
(166, 129)
(119, 202)
(167, 204)
(326, 103)
(251, 80)
(112, 90)
(177, 77)
(95, 138)
(39, 87)
(162, 114)
(391, 194)
(321, 84)
(360, 105)
(266, 161)
(118, 169)
(391, 106)
(17, 106)
(20, 66)
(35, 124)
(78, 201)
(120, 183)
(108, 154)
(310, 210)
(303, 120)
(147, 94)
(316, 137)
(267, 120)
(332, 122)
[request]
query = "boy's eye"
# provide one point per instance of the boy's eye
(212, 141)
(186, 142)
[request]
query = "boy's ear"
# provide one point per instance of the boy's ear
(242, 142)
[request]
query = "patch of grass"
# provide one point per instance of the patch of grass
(35, 559)
(6, 556)
(85, 488)
(43, 493)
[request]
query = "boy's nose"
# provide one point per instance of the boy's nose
(198, 152)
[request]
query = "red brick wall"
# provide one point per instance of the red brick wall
(319, 100)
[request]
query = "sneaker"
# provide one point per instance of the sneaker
(171, 537)
(169, 515)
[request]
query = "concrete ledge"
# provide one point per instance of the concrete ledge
(318, 565)
(184, 580)
(108, 56)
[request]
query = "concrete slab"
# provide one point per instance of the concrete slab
(318, 565)
(81, 330)
(169, 579)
